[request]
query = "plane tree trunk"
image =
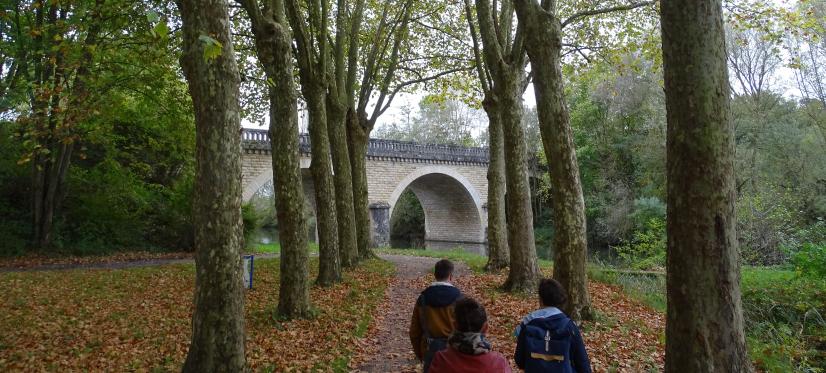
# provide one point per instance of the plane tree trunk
(343, 181)
(359, 134)
(570, 245)
(217, 342)
(704, 322)
(329, 270)
(273, 44)
(498, 254)
(524, 270)
(505, 62)
(310, 35)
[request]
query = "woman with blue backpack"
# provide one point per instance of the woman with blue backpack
(547, 340)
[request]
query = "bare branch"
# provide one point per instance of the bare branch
(477, 54)
(417, 81)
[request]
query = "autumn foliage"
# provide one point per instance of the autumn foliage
(625, 336)
(140, 319)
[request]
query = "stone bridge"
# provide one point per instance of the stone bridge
(449, 181)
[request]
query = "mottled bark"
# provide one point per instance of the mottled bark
(570, 245)
(359, 138)
(311, 41)
(218, 319)
(498, 254)
(343, 180)
(329, 271)
(337, 101)
(505, 61)
(273, 44)
(524, 271)
(704, 322)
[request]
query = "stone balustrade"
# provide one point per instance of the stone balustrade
(258, 141)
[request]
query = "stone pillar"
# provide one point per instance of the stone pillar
(486, 246)
(380, 224)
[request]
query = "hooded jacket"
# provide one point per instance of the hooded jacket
(453, 361)
(436, 304)
(578, 361)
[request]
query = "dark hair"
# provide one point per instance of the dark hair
(470, 315)
(443, 269)
(551, 293)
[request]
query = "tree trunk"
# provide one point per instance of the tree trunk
(55, 112)
(704, 322)
(524, 271)
(329, 270)
(498, 255)
(359, 139)
(570, 245)
(46, 108)
(273, 44)
(343, 178)
(312, 56)
(218, 318)
(294, 291)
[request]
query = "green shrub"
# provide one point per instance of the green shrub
(407, 223)
(784, 319)
(645, 209)
(544, 236)
(107, 210)
(646, 251)
(250, 219)
(15, 229)
(810, 261)
(171, 217)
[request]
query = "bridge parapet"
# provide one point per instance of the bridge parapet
(258, 141)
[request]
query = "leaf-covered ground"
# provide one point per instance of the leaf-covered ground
(35, 261)
(139, 319)
(626, 336)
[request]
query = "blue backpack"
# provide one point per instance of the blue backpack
(547, 350)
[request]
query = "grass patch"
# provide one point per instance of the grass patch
(275, 248)
(784, 313)
(475, 262)
(648, 288)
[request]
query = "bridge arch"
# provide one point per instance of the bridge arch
(450, 182)
(453, 208)
(255, 184)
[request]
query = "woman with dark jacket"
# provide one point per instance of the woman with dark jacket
(549, 341)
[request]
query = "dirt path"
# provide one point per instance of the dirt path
(392, 351)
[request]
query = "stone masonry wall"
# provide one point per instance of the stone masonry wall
(452, 193)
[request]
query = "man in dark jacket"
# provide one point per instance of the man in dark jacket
(547, 340)
(432, 321)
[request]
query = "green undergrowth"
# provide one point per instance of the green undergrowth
(784, 313)
(275, 248)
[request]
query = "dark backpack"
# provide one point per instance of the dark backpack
(547, 350)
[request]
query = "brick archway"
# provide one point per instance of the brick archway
(450, 181)
(454, 216)
(255, 184)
